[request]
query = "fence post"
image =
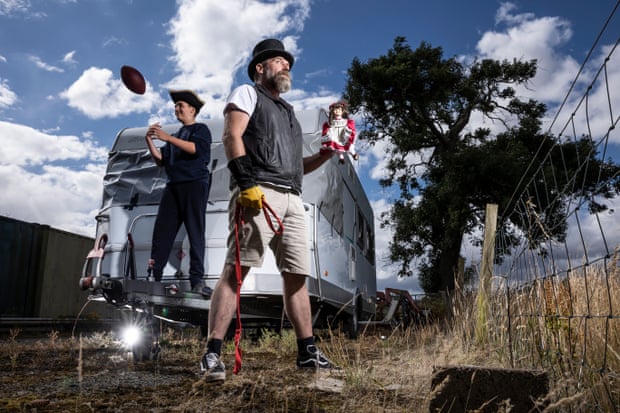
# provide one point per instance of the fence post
(486, 271)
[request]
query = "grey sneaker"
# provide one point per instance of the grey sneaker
(212, 367)
(203, 290)
(314, 358)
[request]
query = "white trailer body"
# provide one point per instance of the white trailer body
(340, 222)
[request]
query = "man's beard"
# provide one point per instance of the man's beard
(280, 81)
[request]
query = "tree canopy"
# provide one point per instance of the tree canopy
(447, 169)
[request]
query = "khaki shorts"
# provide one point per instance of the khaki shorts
(290, 248)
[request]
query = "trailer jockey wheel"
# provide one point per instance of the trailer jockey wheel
(147, 349)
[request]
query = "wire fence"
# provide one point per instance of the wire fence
(558, 302)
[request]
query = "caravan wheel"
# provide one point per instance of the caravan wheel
(353, 321)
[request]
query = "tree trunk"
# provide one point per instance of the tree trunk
(449, 260)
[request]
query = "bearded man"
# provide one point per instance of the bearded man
(263, 142)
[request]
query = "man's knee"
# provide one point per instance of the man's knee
(229, 274)
(293, 282)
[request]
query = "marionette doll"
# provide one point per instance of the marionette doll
(339, 132)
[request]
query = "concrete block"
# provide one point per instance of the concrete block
(460, 389)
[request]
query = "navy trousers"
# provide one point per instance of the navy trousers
(182, 203)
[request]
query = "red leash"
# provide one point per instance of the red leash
(239, 223)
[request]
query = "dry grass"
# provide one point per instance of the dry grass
(569, 328)
(384, 371)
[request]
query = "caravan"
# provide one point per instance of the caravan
(342, 285)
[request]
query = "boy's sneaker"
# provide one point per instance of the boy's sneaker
(203, 290)
(212, 367)
(314, 358)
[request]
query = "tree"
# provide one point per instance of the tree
(445, 169)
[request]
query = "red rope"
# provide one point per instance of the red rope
(267, 210)
(239, 223)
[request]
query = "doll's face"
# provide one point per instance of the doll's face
(337, 111)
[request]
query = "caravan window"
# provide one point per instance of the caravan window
(364, 236)
(359, 223)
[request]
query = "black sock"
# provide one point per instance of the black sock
(214, 346)
(303, 343)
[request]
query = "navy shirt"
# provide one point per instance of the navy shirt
(182, 166)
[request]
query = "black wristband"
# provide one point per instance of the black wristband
(242, 171)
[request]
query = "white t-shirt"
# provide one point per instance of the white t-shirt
(244, 98)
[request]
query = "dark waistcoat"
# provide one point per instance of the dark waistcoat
(274, 142)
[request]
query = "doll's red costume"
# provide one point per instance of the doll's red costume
(339, 132)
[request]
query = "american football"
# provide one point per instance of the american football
(133, 79)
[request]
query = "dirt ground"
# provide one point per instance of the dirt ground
(54, 374)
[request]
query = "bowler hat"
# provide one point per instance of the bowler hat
(266, 49)
(187, 96)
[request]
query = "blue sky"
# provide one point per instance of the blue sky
(62, 103)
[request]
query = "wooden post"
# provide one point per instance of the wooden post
(486, 271)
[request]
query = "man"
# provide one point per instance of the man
(263, 142)
(186, 156)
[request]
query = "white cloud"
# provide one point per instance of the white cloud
(208, 59)
(42, 65)
(324, 72)
(30, 147)
(37, 188)
(504, 15)
(598, 234)
(98, 94)
(57, 196)
(69, 58)
(9, 7)
(113, 40)
(302, 100)
(590, 110)
(7, 96)
(528, 37)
